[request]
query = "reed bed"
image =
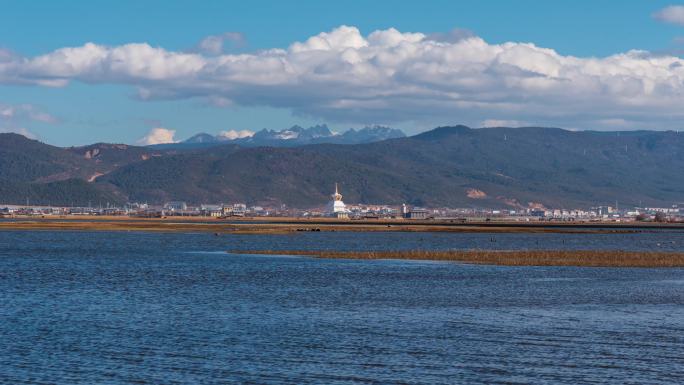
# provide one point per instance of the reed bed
(247, 227)
(587, 258)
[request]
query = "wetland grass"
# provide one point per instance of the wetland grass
(587, 258)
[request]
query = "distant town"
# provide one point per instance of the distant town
(336, 208)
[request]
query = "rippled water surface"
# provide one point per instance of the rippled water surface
(144, 308)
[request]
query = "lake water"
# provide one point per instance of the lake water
(145, 308)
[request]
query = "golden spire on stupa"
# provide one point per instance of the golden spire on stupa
(337, 196)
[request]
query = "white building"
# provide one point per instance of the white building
(336, 207)
(239, 209)
(211, 210)
(176, 206)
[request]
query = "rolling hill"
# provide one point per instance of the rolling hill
(44, 174)
(448, 166)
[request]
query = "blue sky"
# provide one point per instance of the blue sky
(92, 108)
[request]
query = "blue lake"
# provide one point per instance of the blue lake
(146, 308)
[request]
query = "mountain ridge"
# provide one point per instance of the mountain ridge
(454, 166)
(289, 137)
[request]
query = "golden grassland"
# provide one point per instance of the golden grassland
(289, 226)
(585, 258)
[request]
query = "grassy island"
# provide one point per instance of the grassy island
(587, 258)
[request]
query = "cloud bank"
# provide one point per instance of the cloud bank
(386, 77)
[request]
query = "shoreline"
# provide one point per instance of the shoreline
(560, 258)
(351, 222)
(295, 226)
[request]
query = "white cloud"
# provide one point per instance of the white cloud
(503, 123)
(341, 38)
(235, 134)
(674, 14)
(25, 112)
(158, 135)
(6, 113)
(14, 117)
(43, 117)
(214, 44)
(386, 76)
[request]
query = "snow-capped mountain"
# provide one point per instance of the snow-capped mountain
(294, 136)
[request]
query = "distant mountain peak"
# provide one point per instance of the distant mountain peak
(373, 133)
(202, 137)
(294, 136)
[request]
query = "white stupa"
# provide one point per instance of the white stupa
(336, 206)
